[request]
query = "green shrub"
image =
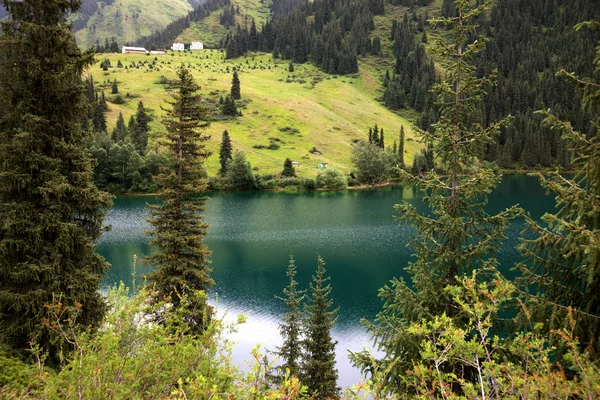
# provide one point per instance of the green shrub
(332, 178)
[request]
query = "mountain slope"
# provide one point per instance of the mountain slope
(125, 20)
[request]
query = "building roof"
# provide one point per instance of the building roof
(134, 48)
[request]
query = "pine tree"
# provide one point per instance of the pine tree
(235, 87)
(178, 227)
(457, 236)
(288, 168)
(229, 107)
(290, 328)
(51, 212)
(115, 87)
(401, 147)
(120, 131)
(562, 257)
(225, 153)
(140, 135)
(318, 363)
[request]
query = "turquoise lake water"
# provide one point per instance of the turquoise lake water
(252, 235)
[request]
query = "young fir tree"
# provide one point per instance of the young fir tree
(178, 227)
(225, 153)
(401, 148)
(229, 107)
(115, 87)
(562, 256)
(318, 361)
(290, 328)
(51, 212)
(288, 168)
(457, 235)
(120, 131)
(235, 86)
(140, 136)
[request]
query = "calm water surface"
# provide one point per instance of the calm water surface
(252, 235)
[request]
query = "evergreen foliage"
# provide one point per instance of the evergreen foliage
(457, 236)
(120, 131)
(401, 148)
(562, 255)
(115, 87)
(140, 135)
(50, 210)
(178, 227)
(225, 153)
(318, 362)
(240, 175)
(229, 108)
(235, 87)
(288, 168)
(290, 328)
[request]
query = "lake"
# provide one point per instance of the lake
(252, 235)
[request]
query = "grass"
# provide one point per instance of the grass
(329, 114)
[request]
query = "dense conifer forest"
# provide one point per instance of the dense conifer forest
(514, 84)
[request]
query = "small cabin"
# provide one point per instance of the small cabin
(178, 47)
(141, 50)
(296, 164)
(196, 46)
(157, 52)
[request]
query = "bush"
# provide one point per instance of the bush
(332, 178)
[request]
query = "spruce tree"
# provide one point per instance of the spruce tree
(562, 255)
(114, 87)
(456, 236)
(401, 147)
(235, 86)
(51, 212)
(290, 328)
(318, 363)
(140, 135)
(120, 131)
(288, 168)
(178, 227)
(225, 153)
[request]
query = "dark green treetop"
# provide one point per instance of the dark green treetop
(235, 86)
(51, 212)
(178, 227)
(318, 362)
(288, 168)
(225, 153)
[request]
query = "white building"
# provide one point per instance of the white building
(157, 52)
(178, 46)
(127, 49)
(196, 46)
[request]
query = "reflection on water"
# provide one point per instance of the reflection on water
(252, 235)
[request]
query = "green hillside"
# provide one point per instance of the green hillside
(298, 110)
(210, 31)
(128, 20)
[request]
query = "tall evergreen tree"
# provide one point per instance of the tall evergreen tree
(457, 236)
(50, 210)
(318, 363)
(139, 136)
(235, 87)
(562, 256)
(290, 328)
(225, 153)
(401, 147)
(120, 131)
(178, 227)
(288, 168)
(115, 87)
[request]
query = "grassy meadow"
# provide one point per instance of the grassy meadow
(298, 110)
